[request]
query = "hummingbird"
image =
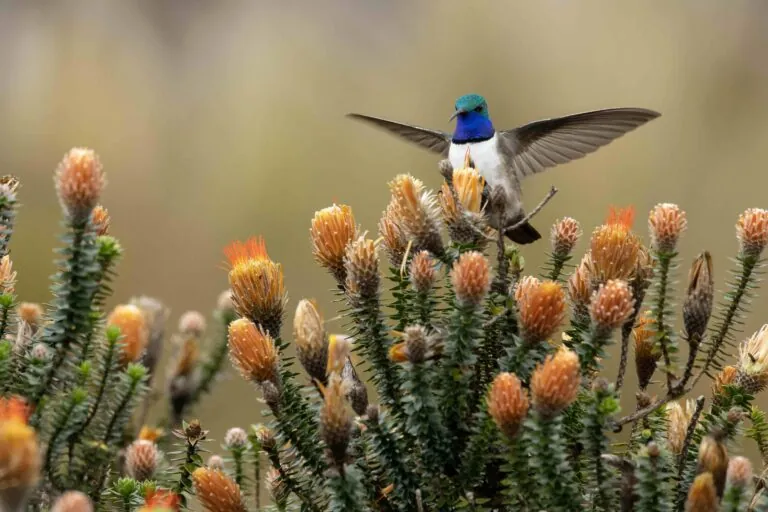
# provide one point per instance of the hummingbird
(505, 157)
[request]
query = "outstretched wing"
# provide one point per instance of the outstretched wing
(433, 140)
(542, 144)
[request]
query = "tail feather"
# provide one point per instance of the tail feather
(524, 234)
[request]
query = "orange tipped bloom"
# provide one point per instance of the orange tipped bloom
(150, 434)
(392, 235)
(726, 377)
(579, 287)
(418, 213)
(79, 181)
(333, 228)
(739, 472)
(15, 408)
(565, 233)
(423, 274)
(542, 308)
(252, 351)
(752, 231)
(469, 184)
(555, 383)
(73, 501)
(612, 305)
(258, 291)
(216, 491)
(362, 265)
(100, 220)
(614, 248)
(398, 352)
(20, 460)
(161, 500)
(7, 275)
(507, 403)
(646, 354)
(133, 329)
(471, 278)
(336, 419)
(310, 338)
(666, 223)
(141, 459)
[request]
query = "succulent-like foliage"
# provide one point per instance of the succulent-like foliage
(477, 401)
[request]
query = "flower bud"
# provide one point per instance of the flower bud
(133, 330)
(666, 222)
(311, 341)
(423, 274)
(752, 231)
(336, 420)
(73, 501)
(235, 438)
(555, 383)
(702, 497)
(564, 236)
(612, 305)
(216, 491)
(252, 351)
(362, 266)
(192, 323)
(470, 277)
(333, 228)
(541, 305)
(141, 460)
(507, 403)
(79, 181)
(697, 307)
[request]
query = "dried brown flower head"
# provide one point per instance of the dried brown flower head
(678, 418)
(73, 501)
(471, 278)
(336, 419)
(697, 307)
(507, 403)
(100, 220)
(614, 248)
(564, 236)
(266, 437)
(579, 287)
(133, 330)
(252, 351)
(612, 305)
(79, 181)
(417, 210)
(362, 264)
(666, 223)
(646, 354)
(311, 341)
(739, 472)
(423, 273)
(235, 438)
(752, 231)
(752, 374)
(338, 353)
(542, 308)
(31, 313)
(702, 497)
(141, 459)
(713, 458)
(216, 491)
(333, 228)
(192, 323)
(392, 235)
(555, 383)
(7, 276)
(726, 377)
(258, 291)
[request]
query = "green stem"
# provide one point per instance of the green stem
(121, 409)
(661, 312)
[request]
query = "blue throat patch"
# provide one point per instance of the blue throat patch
(472, 127)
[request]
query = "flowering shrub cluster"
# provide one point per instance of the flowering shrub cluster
(463, 381)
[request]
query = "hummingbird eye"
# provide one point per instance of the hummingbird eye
(479, 109)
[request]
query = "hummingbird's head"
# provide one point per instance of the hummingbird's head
(470, 103)
(472, 120)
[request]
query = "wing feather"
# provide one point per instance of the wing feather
(432, 140)
(543, 144)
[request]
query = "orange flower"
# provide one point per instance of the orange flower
(133, 329)
(15, 408)
(309, 336)
(614, 248)
(333, 228)
(216, 491)
(469, 184)
(150, 434)
(258, 291)
(612, 305)
(470, 277)
(565, 233)
(20, 461)
(666, 223)
(252, 351)
(100, 220)
(79, 182)
(161, 499)
(555, 383)
(752, 231)
(417, 210)
(541, 306)
(507, 403)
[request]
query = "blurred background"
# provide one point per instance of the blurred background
(216, 121)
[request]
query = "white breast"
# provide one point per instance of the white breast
(486, 157)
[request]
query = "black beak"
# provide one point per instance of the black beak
(457, 113)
